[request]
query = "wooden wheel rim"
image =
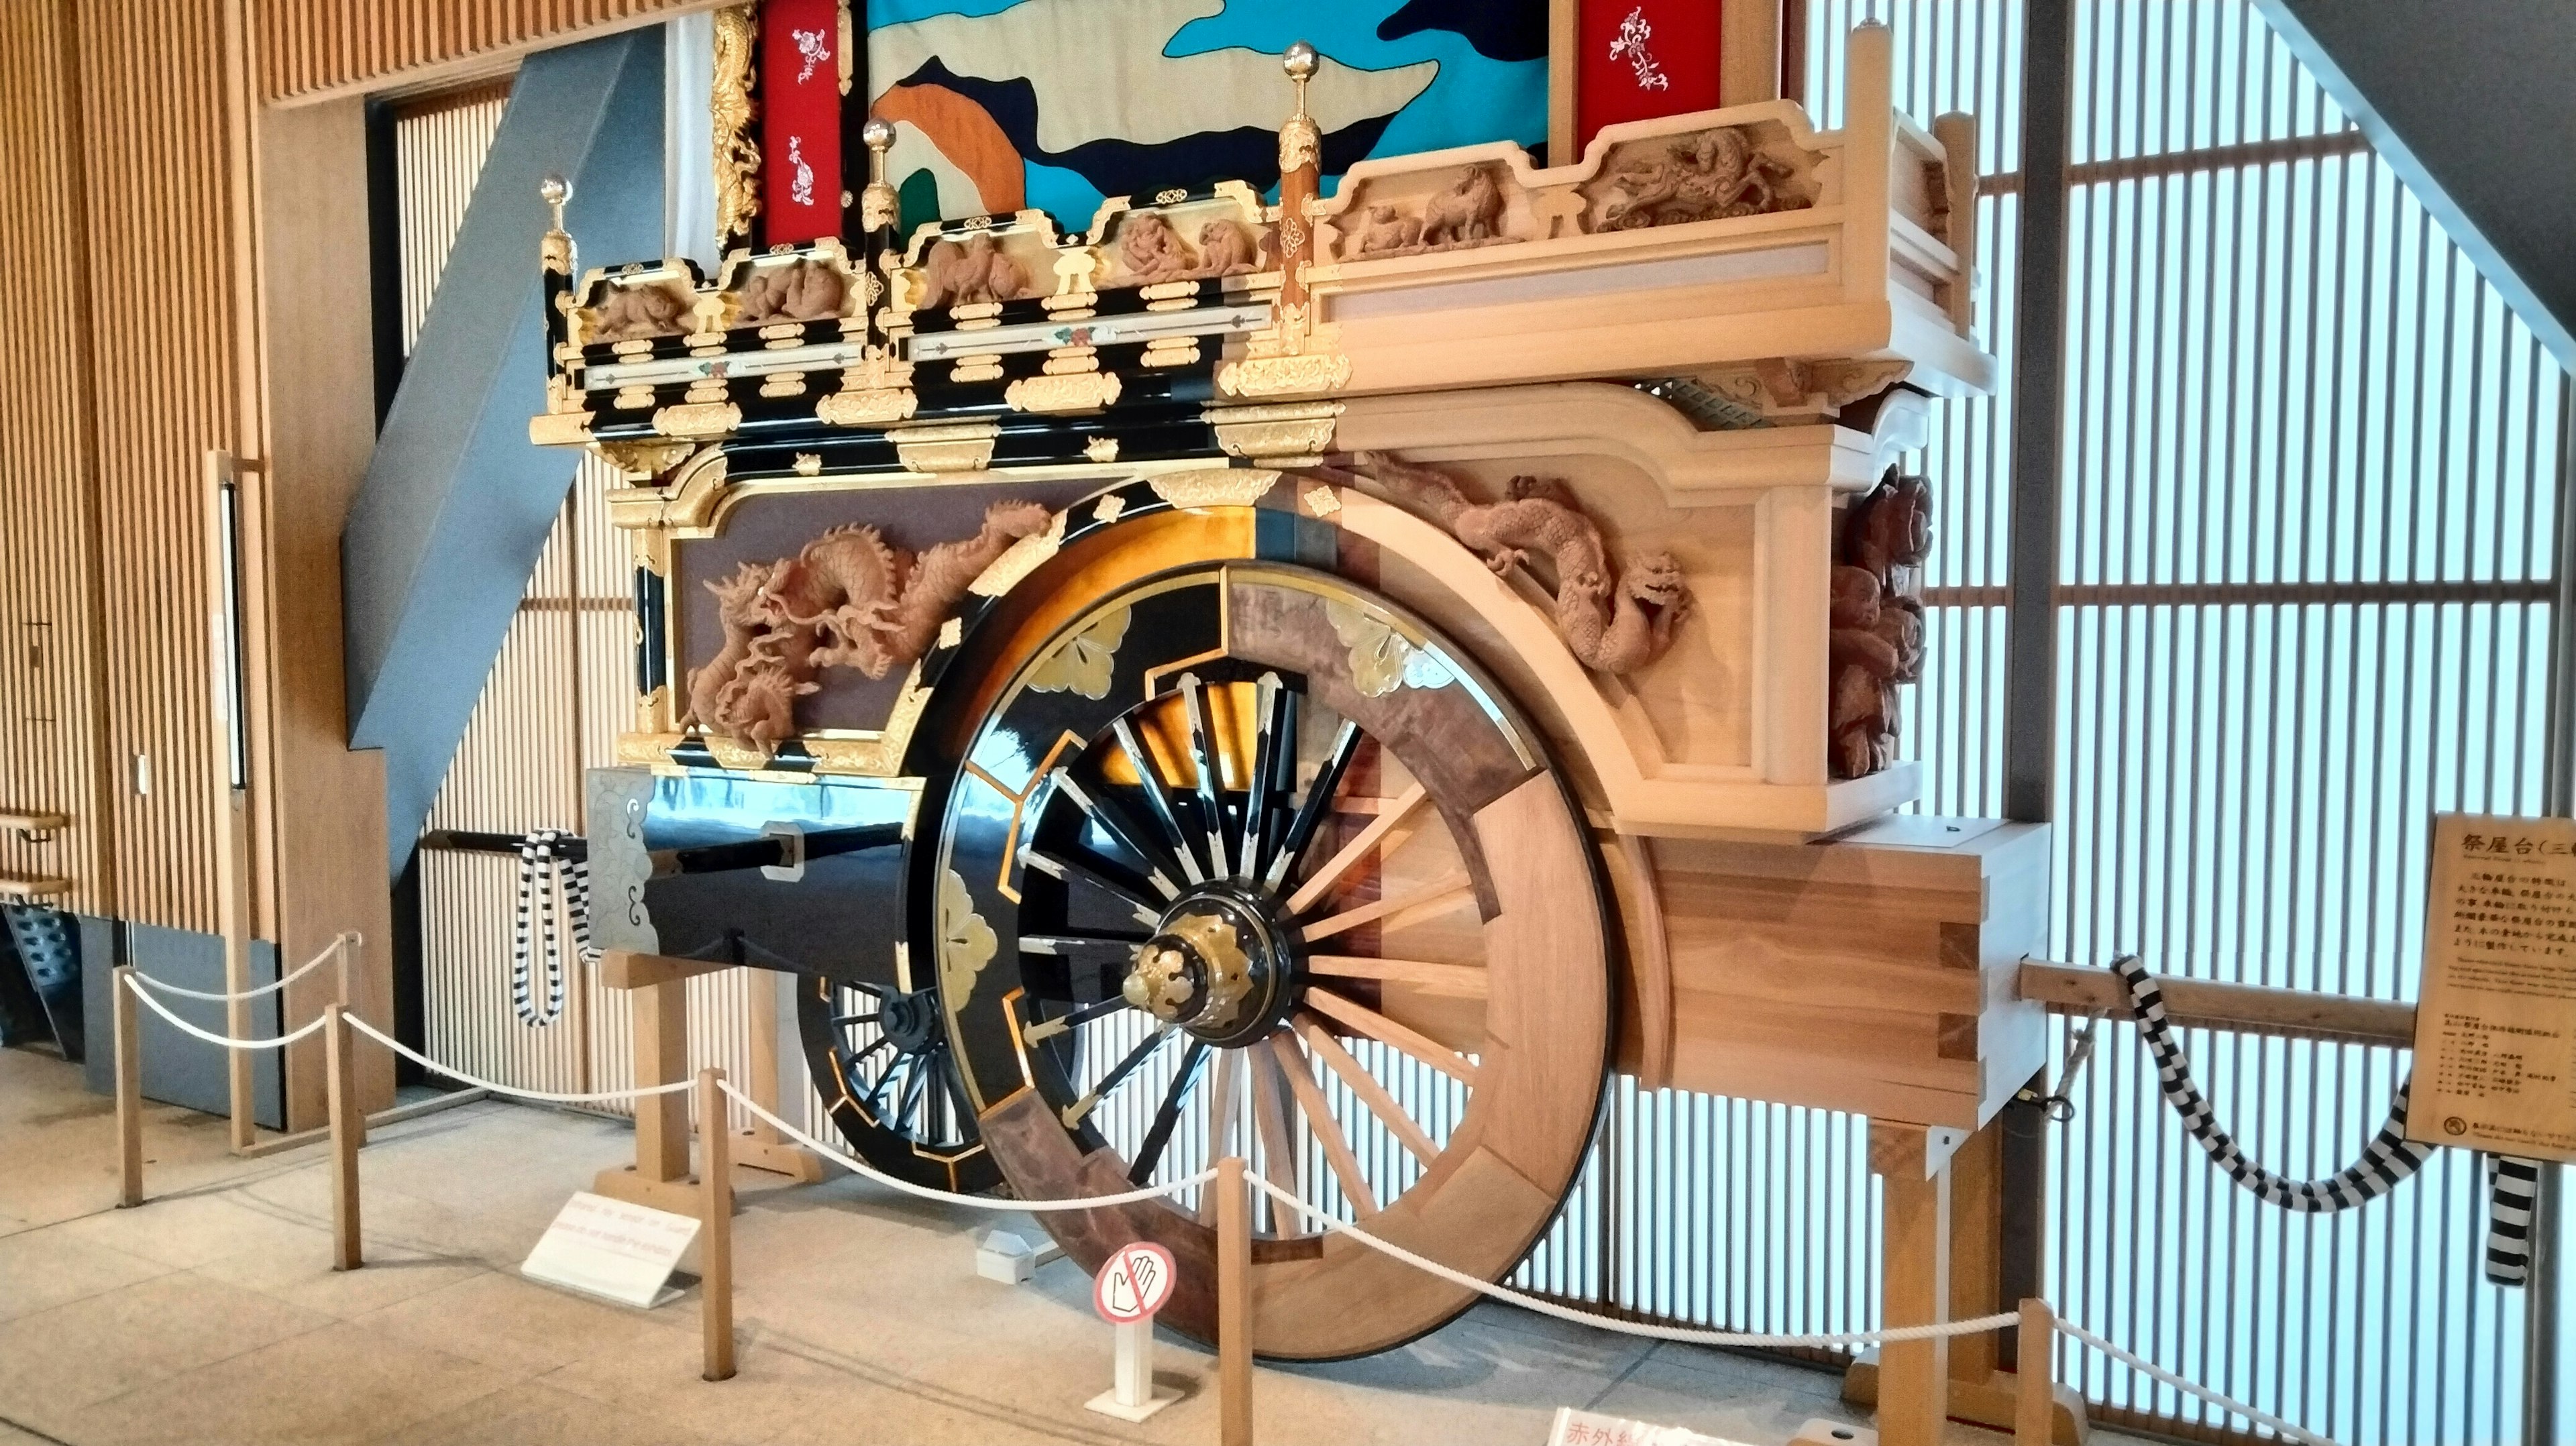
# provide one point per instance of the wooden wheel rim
(1493, 1184)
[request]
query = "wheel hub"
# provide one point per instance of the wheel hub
(1222, 964)
(909, 1021)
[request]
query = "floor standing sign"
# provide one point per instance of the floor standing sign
(2495, 1026)
(1131, 1286)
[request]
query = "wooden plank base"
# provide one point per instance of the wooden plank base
(681, 1196)
(1989, 1402)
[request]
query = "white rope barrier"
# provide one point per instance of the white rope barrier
(1884, 1336)
(512, 1091)
(269, 988)
(227, 1041)
(973, 1202)
(1682, 1334)
(2288, 1432)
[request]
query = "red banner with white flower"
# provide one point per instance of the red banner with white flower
(1639, 59)
(800, 119)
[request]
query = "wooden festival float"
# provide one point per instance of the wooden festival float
(1326, 680)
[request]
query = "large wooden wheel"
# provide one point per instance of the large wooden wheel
(1246, 861)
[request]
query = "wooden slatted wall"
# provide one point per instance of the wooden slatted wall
(324, 47)
(48, 685)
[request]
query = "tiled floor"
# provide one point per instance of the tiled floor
(210, 1315)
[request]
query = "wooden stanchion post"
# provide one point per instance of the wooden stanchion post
(1233, 1303)
(344, 951)
(2035, 1406)
(129, 1087)
(340, 1087)
(715, 1237)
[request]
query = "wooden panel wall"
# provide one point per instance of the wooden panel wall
(166, 368)
(48, 633)
(326, 47)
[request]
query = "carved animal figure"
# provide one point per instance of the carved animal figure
(1470, 210)
(1875, 619)
(634, 313)
(846, 600)
(1229, 248)
(1150, 251)
(1383, 231)
(976, 273)
(800, 291)
(1613, 620)
(1714, 175)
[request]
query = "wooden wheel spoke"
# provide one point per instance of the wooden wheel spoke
(1319, 1119)
(1365, 1085)
(1319, 801)
(1440, 893)
(1073, 1114)
(1203, 753)
(1272, 1106)
(1275, 743)
(1444, 978)
(1063, 867)
(1386, 833)
(1386, 1031)
(1158, 801)
(1229, 1079)
(1114, 821)
(1168, 1118)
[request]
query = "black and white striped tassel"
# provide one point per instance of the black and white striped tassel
(541, 870)
(2385, 1162)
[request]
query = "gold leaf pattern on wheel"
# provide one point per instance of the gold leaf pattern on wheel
(1086, 660)
(1381, 659)
(966, 942)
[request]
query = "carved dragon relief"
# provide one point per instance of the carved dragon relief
(848, 599)
(1877, 621)
(1613, 619)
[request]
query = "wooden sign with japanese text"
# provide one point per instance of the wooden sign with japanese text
(2495, 1028)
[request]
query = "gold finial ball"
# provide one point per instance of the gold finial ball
(878, 133)
(555, 190)
(1300, 61)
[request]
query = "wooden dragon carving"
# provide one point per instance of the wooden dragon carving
(848, 599)
(1613, 619)
(1877, 621)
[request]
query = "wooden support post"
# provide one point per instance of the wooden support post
(2035, 1410)
(1913, 1376)
(763, 1148)
(348, 1124)
(715, 1238)
(129, 1087)
(1233, 1303)
(657, 989)
(344, 951)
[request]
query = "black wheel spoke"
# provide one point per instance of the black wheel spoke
(1203, 753)
(1118, 1072)
(1150, 1153)
(1274, 741)
(1319, 801)
(1067, 1023)
(915, 1076)
(1065, 941)
(844, 1020)
(1113, 820)
(1063, 863)
(1159, 800)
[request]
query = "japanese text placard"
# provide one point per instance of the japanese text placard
(2495, 1030)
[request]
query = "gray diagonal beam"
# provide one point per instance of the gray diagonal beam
(457, 504)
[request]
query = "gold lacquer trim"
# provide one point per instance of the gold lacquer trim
(1382, 659)
(963, 447)
(1085, 662)
(737, 156)
(1301, 430)
(698, 419)
(559, 429)
(880, 407)
(1072, 392)
(1272, 376)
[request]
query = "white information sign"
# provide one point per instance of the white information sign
(1583, 1428)
(2495, 1028)
(611, 1249)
